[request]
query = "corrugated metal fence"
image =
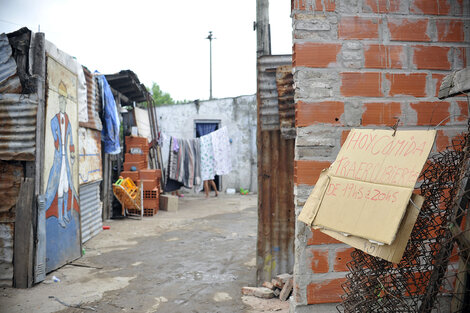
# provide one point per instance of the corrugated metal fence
(90, 210)
(275, 246)
(18, 127)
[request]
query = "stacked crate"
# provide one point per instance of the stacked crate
(150, 178)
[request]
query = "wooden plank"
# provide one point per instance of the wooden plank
(455, 83)
(24, 245)
(39, 72)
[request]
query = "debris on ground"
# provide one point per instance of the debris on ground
(280, 286)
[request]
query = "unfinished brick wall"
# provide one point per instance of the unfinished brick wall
(365, 63)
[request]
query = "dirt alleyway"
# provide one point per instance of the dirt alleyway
(193, 260)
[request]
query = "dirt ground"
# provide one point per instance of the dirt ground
(193, 260)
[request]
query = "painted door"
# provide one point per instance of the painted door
(61, 167)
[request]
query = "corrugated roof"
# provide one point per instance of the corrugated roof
(18, 127)
(127, 83)
(9, 80)
(267, 89)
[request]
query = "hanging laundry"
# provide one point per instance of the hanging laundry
(183, 162)
(197, 163)
(207, 158)
(221, 148)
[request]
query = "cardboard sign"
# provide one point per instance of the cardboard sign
(393, 252)
(365, 192)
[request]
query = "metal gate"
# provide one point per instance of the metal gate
(90, 210)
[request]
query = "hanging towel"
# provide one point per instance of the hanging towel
(221, 148)
(197, 163)
(207, 158)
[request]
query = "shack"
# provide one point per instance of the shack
(56, 168)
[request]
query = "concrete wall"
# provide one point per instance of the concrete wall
(237, 114)
(365, 63)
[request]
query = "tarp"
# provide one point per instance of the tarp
(111, 122)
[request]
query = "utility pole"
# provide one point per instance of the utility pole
(263, 34)
(210, 56)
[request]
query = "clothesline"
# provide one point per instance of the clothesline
(192, 161)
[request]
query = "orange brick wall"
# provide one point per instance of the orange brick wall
(366, 63)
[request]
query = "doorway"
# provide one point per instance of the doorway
(202, 128)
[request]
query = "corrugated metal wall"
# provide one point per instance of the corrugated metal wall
(11, 174)
(91, 165)
(18, 127)
(275, 246)
(90, 206)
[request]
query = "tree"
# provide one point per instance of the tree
(160, 97)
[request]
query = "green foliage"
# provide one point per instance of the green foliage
(160, 97)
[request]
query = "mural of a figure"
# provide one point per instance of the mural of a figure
(61, 196)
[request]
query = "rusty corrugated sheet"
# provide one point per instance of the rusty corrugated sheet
(93, 102)
(90, 165)
(275, 245)
(6, 257)
(18, 127)
(9, 79)
(267, 89)
(11, 174)
(285, 90)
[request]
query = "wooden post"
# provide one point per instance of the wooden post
(23, 248)
(263, 41)
(39, 224)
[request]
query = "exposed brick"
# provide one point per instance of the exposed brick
(319, 238)
(431, 58)
(307, 172)
(450, 30)
(438, 78)
(319, 262)
(430, 7)
(315, 54)
(381, 6)
(380, 56)
(361, 84)
(358, 28)
(379, 113)
(402, 29)
(318, 112)
(407, 84)
(442, 141)
(431, 113)
(325, 5)
(342, 257)
(344, 136)
(463, 106)
(326, 291)
(300, 5)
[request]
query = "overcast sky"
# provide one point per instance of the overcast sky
(161, 41)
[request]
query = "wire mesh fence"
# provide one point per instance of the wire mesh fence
(433, 273)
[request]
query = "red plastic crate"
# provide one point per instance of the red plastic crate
(147, 184)
(136, 141)
(150, 174)
(129, 157)
(138, 166)
(132, 175)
